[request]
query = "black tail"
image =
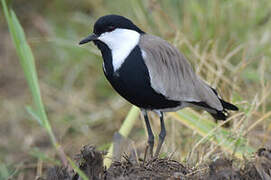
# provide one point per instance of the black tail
(223, 115)
(218, 115)
(226, 105)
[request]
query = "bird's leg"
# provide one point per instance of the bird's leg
(162, 135)
(150, 134)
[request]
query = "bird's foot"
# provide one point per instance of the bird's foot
(148, 154)
(157, 152)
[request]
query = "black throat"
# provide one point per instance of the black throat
(107, 57)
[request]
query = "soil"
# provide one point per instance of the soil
(90, 161)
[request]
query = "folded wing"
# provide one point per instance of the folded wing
(172, 75)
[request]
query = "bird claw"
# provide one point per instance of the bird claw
(148, 151)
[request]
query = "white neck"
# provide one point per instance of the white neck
(121, 42)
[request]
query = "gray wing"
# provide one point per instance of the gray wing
(172, 75)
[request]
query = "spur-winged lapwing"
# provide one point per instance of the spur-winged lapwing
(151, 74)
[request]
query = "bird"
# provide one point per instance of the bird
(151, 74)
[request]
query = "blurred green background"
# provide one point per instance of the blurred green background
(228, 43)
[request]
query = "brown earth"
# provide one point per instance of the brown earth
(90, 162)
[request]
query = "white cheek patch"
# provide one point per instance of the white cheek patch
(121, 42)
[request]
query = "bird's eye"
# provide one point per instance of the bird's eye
(111, 28)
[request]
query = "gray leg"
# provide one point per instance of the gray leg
(162, 135)
(150, 134)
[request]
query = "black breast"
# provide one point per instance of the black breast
(132, 81)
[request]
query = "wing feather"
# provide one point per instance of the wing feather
(172, 75)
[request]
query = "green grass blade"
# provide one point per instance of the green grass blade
(34, 114)
(78, 170)
(28, 65)
(27, 61)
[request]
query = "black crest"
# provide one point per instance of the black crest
(110, 22)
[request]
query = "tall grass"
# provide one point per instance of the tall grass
(27, 62)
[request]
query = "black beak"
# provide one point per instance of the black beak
(91, 37)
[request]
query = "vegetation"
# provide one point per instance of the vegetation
(228, 42)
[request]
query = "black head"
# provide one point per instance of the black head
(109, 23)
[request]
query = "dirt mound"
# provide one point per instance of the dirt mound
(90, 162)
